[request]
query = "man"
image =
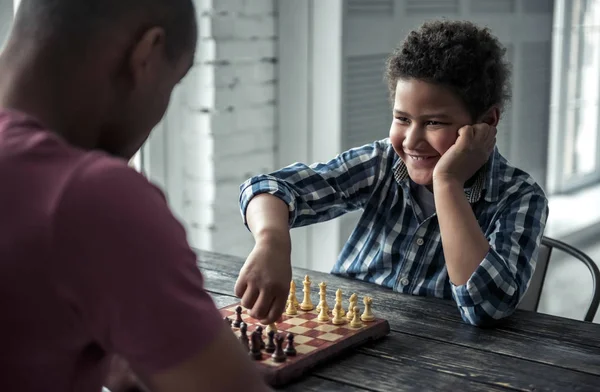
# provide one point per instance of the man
(93, 263)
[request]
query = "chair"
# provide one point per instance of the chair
(531, 298)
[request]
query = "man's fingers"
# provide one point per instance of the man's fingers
(249, 298)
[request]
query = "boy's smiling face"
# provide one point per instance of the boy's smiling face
(427, 118)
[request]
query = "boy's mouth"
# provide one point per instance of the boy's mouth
(420, 157)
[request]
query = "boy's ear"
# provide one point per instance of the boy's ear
(491, 117)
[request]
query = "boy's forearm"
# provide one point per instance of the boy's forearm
(267, 218)
(463, 242)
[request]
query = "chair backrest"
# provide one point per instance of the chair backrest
(531, 299)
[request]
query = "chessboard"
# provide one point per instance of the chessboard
(299, 342)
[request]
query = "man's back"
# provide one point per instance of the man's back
(92, 264)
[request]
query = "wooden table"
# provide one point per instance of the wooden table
(431, 349)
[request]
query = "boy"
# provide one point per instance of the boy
(93, 262)
(444, 214)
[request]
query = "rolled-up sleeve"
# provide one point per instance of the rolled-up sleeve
(496, 287)
(321, 191)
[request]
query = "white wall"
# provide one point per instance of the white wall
(221, 126)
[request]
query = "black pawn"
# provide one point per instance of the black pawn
(255, 341)
(279, 355)
(244, 336)
(227, 321)
(259, 329)
(270, 346)
(290, 350)
(238, 317)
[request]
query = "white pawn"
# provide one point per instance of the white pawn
(323, 316)
(356, 323)
(338, 318)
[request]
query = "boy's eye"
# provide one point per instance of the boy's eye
(402, 119)
(434, 123)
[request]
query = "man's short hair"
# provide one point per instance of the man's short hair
(467, 59)
(77, 20)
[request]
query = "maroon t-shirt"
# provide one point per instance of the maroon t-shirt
(92, 262)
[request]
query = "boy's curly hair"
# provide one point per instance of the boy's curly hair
(459, 55)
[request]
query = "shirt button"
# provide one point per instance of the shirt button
(420, 241)
(405, 281)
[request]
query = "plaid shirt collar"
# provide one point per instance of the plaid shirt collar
(482, 184)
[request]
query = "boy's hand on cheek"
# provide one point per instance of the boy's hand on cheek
(470, 152)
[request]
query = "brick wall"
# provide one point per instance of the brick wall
(226, 109)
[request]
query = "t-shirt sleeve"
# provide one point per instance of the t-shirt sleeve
(128, 270)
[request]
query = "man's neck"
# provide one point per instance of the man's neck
(29, 84)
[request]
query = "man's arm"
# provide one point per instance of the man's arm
(222, 366)
(132, 276)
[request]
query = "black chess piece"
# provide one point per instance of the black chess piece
(238, 317)
(255, 341)
(270, 346)
(259, 329)
(279, 355)
(227, 321)
(244, 335)
(290, 350)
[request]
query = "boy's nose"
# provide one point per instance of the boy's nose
(414, 137)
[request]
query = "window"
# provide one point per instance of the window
(574, 158)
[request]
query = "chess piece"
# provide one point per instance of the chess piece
(323, 298)
(259, 330)
(338, 298)
(338, 318)
(291, 308)
(290, 350)
(270, 346)
(244, 335)
(353, 301)
(227, 321)
(368, 313)
(293, 292)
(238, 317)
(306, 302)
(279, 355)
(323, 316)
(272, 327)
(255, 341)
(356, 323)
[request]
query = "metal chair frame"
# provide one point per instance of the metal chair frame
(531, 299)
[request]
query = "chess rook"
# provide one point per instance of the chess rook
(367, 315)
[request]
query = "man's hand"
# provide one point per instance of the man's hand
(468, 154)
(264, 280)
(121, 378)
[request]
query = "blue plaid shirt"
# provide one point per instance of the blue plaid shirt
(396, 246)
